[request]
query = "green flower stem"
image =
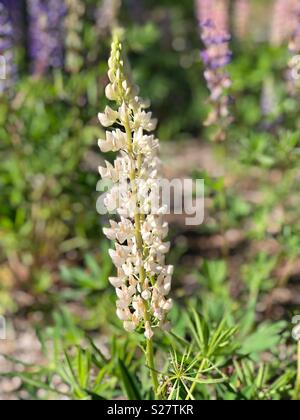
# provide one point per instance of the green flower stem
(151, 365)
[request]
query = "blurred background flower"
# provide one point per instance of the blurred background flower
(8, 65)
(242, 16)
(46, 34)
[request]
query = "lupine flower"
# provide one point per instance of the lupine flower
(74, 27)
(107, 15)
(242, 12)
(204, 10)
(46, 34)
(8, 67)
(216, 11)
(221, 14)
(294, 62)
(216, 56)
(15, 9)
(284, 21)
(278, 26)
(143, 279)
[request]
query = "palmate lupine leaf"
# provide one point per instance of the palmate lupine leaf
(186, 371)
(200, 331)
(196, 363)
(266, 337)
(210, 343)
(252, 382)
(190, 369)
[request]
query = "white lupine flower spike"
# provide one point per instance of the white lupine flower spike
(143, 279)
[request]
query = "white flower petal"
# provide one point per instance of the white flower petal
(116, 281)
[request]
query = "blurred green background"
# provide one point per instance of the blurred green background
(49, 129)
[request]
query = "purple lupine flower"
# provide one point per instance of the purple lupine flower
(204, 10)
(242, 15)
(46, 34)
(221, 14)
(15, 10)
(7, 64)
(216, 57)
(214, 10)
(283, 21)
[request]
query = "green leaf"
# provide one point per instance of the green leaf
(94, 397)
(83, 367)
(200, 330)
(129, 383)
(205, 381)
(265, 338)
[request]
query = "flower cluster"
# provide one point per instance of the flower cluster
(143, 279)
(242, 15)
(15, 9)
(216, 56)
(7, 66)
(215, 10)
(284, 21)
(204, 9)
(294, 62)
(74, 27)
(221, 14)
(46, 34)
